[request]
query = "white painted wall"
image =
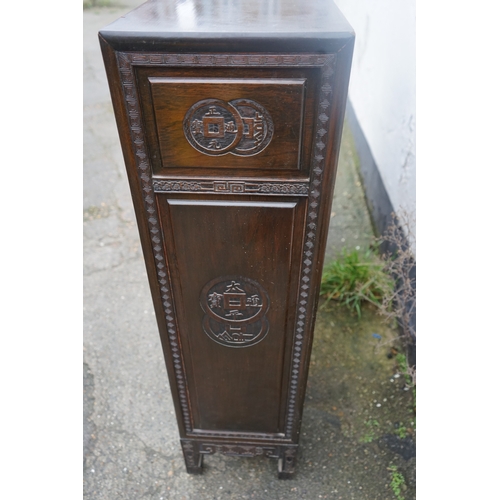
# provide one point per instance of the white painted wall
(382, 89)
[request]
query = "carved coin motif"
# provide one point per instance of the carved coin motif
(241, 127)
(235, 309)
(258, 127)
(213, 126)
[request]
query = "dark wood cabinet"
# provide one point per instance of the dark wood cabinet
(230, 119)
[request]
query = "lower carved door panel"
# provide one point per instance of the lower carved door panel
(235, 265)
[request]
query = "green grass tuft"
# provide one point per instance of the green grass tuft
(354, 279)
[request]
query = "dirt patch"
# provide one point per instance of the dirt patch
(355, 389)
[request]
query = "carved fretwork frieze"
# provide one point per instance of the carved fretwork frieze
(157, 59)
(239, 450)
(231, 187)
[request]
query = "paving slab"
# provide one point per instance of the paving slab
(358, 418)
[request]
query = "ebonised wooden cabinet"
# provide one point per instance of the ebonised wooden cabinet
(230, 120)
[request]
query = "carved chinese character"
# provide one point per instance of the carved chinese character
(253, 301)
(212, 110)
(214, 143)
(197, 126)
(230, 127)
(234, 297)
(215, 300)
(234, 314)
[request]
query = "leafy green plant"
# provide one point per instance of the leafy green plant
(354, 279)
(370, 434)
(401, 431)
(409, 376)
(397, 482)
(403, 368)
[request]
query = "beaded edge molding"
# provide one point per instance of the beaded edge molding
(126, 61)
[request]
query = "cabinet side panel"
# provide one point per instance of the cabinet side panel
(233, 279)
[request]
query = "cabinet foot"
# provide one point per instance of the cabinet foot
(286, 463)
(192, 457)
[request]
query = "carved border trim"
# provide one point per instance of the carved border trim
(314, 202)
(327, 63)
(144, 172)
(225, 59)
(230, 187)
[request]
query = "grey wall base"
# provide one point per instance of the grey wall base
(378, 201)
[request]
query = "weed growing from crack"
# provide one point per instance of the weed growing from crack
(387, 280)
(370, 434)
(400, 305)
(401, 431)
(397, 482)
(402, 363)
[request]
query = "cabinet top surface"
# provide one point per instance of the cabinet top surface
(165, 20)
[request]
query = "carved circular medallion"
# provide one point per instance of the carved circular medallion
(241, 127)
(258, 127)
(213, 126)
(235, 309)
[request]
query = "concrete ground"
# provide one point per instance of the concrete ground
(358, 430)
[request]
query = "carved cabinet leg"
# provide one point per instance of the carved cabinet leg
(192, 456)
(286, 462)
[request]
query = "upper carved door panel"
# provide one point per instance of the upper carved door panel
(223, 124)
(199, 119)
